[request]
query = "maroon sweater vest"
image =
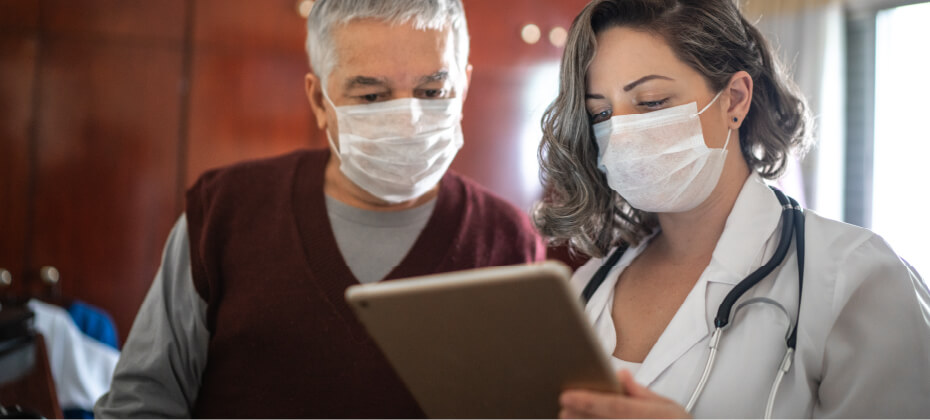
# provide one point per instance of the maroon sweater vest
(283, 342)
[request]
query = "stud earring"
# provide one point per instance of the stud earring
(735, 119)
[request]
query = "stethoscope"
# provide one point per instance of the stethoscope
(792, 217)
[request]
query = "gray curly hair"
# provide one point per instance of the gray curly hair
(712, 37)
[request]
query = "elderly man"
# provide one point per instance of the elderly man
(246, 316)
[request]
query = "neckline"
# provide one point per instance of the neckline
(379, 219)
(321, 254)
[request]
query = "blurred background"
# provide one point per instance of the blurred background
(110, 109)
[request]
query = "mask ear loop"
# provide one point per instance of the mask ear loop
(329, 137)
(729, 131)
(710, 103)
(727, 143)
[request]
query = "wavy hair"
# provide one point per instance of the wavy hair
(713, 38)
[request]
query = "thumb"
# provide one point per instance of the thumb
(631, 387)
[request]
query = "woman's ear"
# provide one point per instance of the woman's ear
(314, 89)
(739, 92)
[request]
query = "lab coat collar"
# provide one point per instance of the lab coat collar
(599, 308)
(687, 328)
(750, 225)
(754, 217)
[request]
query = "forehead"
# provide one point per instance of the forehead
(624, 55)
(369, 47)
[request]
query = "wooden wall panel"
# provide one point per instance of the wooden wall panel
(124, 21)
(506, 97)
(17, 69)
(249, 25)
(495, 30)
(246, 106)
(107, 169)
(19, 15)
(247, 95)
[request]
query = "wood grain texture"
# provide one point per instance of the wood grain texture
(107, 156)
(122, 21)
(246, 106)
(17, 70)
(17, 16)
(247, 95)
(504, 103)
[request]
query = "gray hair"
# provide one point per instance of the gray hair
(713, 38)
(424, 14)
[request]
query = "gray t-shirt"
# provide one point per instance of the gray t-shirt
(159, 370)
(371, 242)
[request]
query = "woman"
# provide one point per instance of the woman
(671, 115)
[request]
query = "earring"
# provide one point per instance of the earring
(735, 119)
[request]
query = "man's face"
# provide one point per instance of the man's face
(378, 62)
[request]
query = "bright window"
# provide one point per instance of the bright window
(901, 183)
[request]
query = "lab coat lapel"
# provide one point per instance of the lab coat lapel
(687, 328)
(740, 249)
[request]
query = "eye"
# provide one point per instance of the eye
(432, 93)
(601, 116)
(371, 97)
(653, 105)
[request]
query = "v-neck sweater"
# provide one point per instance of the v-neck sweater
(283, 342)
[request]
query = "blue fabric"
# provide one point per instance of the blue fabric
(77, 414)
(94, 322)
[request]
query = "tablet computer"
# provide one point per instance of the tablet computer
(499, 342)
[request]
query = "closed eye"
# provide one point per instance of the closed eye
(653, 105)
(372, 97)
(432, 93)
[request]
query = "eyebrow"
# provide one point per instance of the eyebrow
(630, 86)
(644, 79)
(438, 76)
(365, 81)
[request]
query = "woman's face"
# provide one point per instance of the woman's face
(635, 72)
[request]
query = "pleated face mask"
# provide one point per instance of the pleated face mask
(658, 161)
(398, 150)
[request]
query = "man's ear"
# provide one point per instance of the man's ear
(739, 92)
(468, 69)
(314, 88)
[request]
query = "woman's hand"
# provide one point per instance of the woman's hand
(638, 402)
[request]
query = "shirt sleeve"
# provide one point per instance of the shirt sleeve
(877, 354)
(159, 371)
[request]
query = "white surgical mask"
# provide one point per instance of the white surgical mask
(658, 161)
(400, 149)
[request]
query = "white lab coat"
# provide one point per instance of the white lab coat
(863, 341)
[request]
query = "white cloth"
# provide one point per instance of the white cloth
(81, 366)
(619, 364)
(863, 340)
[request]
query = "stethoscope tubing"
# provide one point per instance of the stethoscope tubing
(792, 228)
